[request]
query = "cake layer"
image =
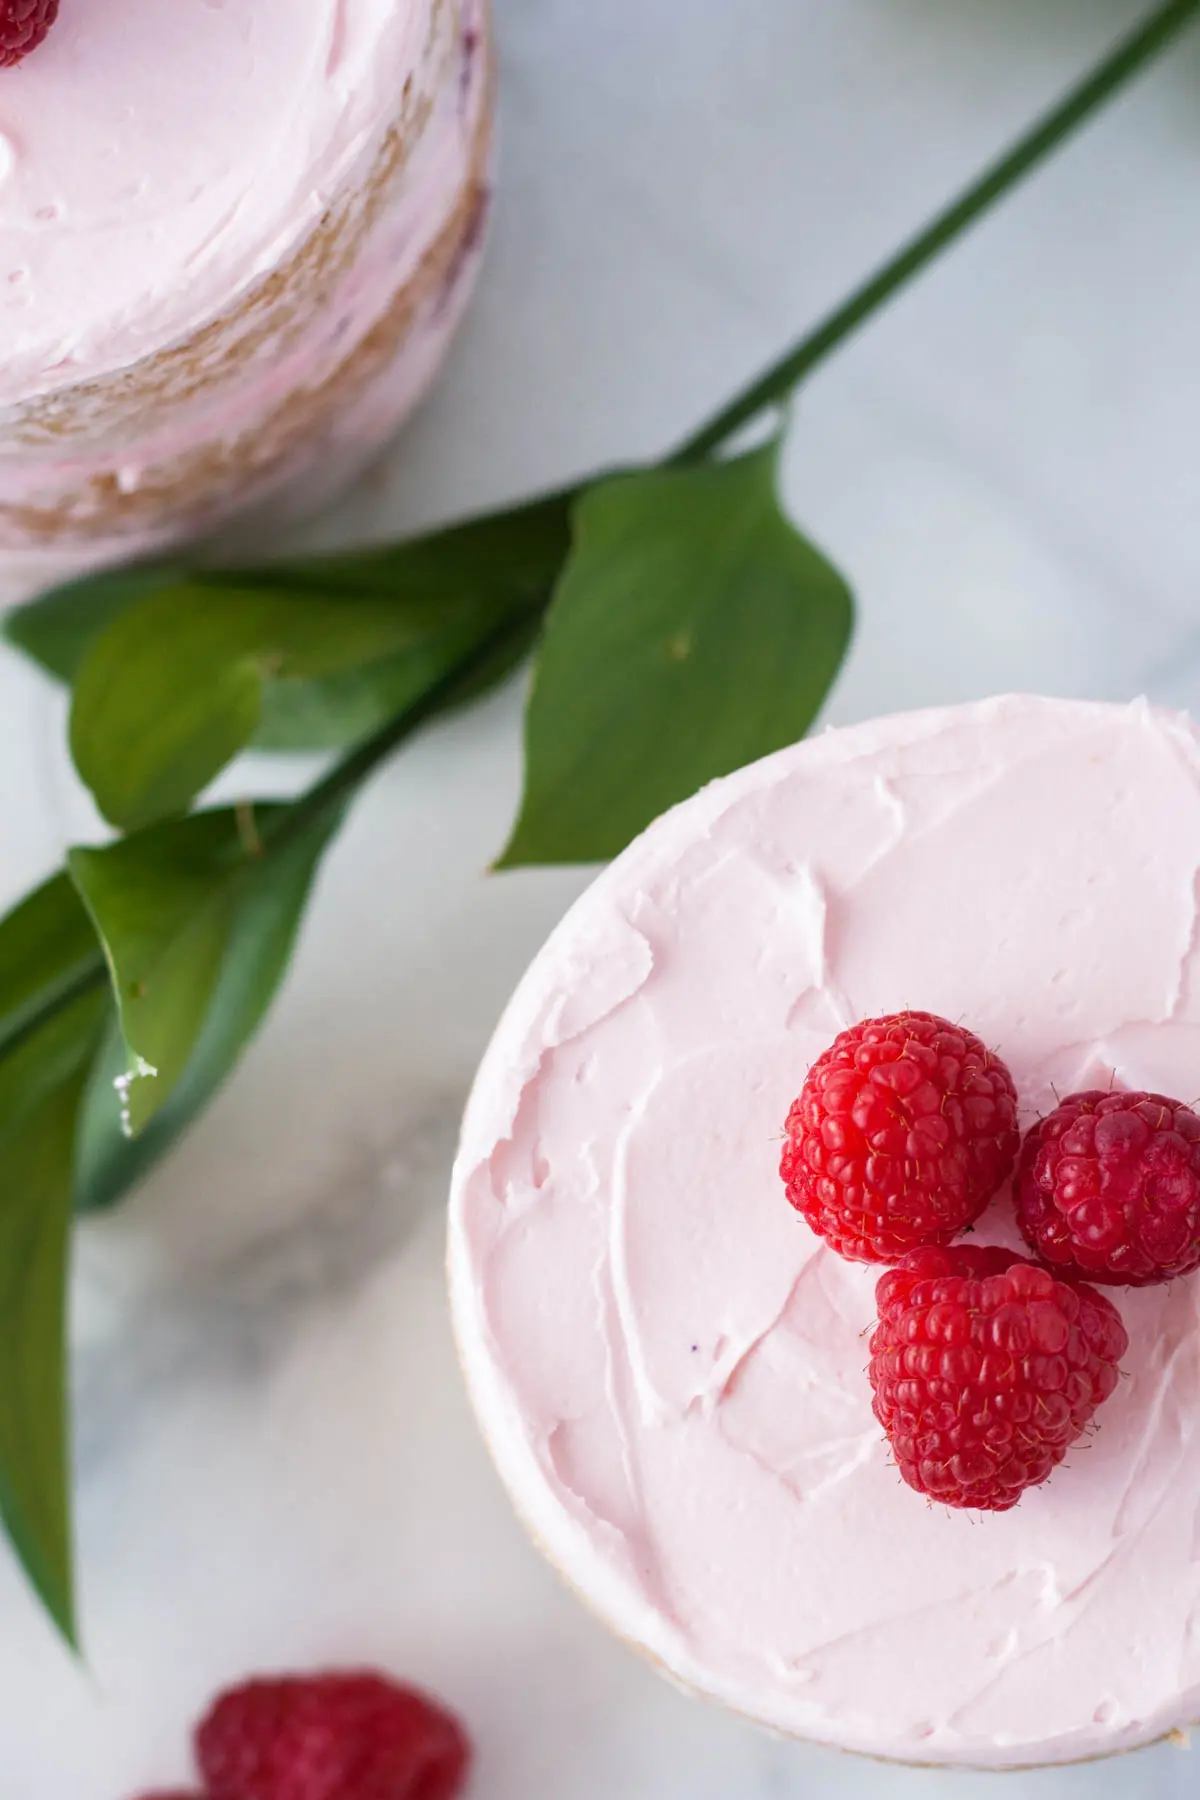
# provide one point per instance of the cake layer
(159, 160)
(668, 1365)
(234, 241)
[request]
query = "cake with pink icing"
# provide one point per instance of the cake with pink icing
(669, 1365)
(235, 239)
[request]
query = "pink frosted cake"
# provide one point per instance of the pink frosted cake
(235, 237)
(668, 1363)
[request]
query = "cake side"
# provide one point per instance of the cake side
(320, 374)
(163, 162)
(668, 1367)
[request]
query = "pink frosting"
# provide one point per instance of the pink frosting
(155, 160)
(159, 161)
(670, 1368)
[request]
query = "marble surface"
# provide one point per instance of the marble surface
(276, 1461)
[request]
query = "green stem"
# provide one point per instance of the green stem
(337, 786)
(88, 977)
(347, 776)
(784, 377)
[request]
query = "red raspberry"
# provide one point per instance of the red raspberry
(23, 25)
(902, 1133)
(330, 1737)
(1109, 1187)
(986, 1370)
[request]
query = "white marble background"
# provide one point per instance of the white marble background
(276, 1462)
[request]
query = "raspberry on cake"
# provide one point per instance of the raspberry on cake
(672, 1376)
(1109, 1188)
(236, 241)
(986, 1370)
(903, 1131)
(23, 25)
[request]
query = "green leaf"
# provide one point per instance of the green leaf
(173, 690)
(175, 674)
(327, 715)
(515, 553)
(694, 630)
(197, 917)
(48, 950)
(53, 1003)
(58, 629)
(35, 1211)
(475, 574)
(264, 921)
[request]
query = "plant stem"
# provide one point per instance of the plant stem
(291, 821)
(86, 980)
(781, 380)
(347, 776)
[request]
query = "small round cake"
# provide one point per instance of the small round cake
(235, 238)
(670, 1366)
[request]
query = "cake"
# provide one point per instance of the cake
(669, 1365)
(235, 239)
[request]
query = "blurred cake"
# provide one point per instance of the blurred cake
(668, 1365)
(235, 238)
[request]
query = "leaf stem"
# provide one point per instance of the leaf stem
(347, 776)
(91, 975)
(784, 376)
(291, 821)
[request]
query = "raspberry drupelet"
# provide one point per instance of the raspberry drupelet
(1109, 1188)
(23, 25)
(903, 1131)
(986, 1370)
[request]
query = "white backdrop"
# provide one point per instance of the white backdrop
(276, 1461)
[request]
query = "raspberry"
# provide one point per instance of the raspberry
(1109, 1187)
(330, 1737)
(902, 1133)
(23, 25)
(986, 1370)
